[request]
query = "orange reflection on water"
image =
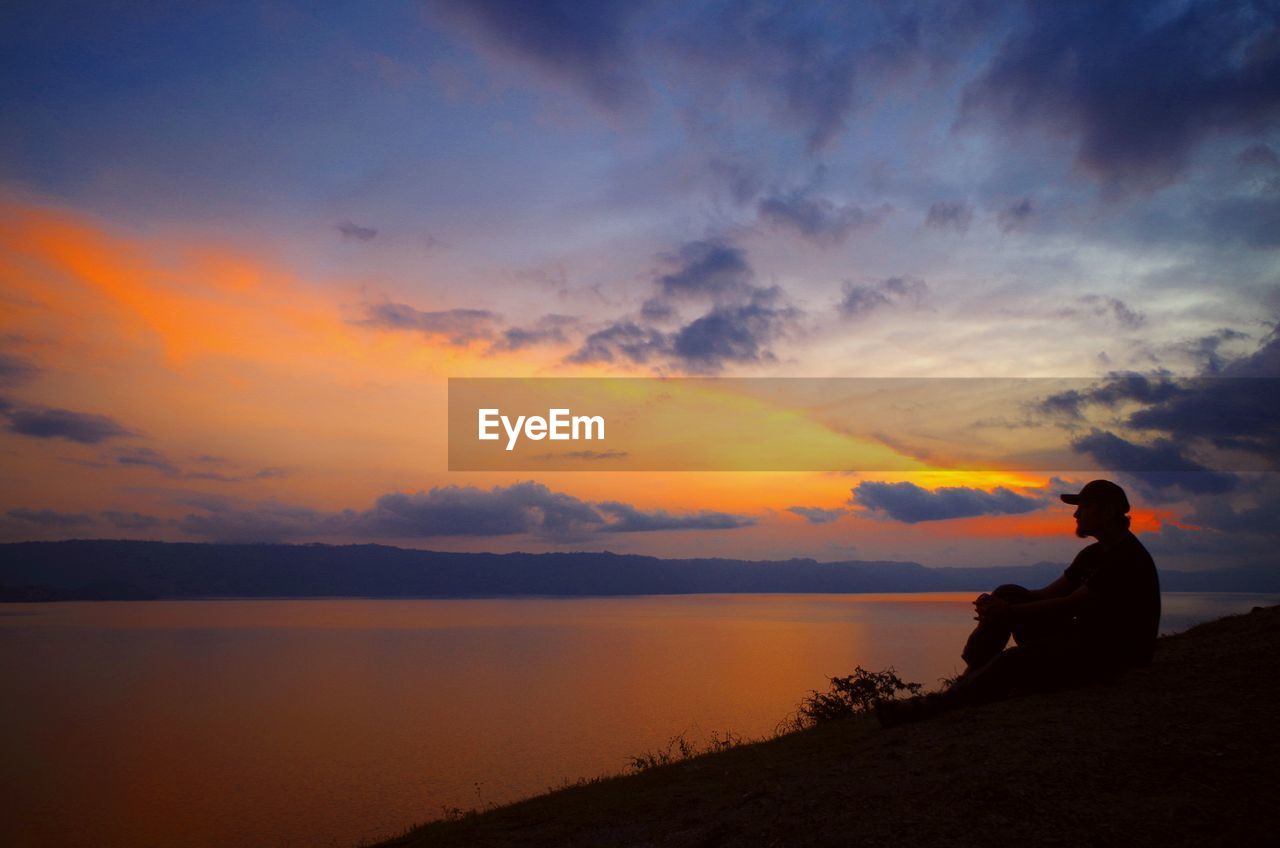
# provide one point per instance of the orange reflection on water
(219, 723)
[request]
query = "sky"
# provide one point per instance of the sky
(243, 247)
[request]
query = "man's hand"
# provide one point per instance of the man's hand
(991, 608)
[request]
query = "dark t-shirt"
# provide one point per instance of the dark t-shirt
(1122, 616)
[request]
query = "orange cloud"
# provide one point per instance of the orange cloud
(203, 350)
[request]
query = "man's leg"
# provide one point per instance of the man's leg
(1040, 666)
(1019, 667)
(989, 638)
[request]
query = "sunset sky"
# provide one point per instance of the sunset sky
(243, 246)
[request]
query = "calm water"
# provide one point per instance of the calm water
(314, 723)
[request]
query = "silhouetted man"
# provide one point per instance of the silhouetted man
(1100, 616)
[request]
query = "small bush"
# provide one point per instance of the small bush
(849, 696)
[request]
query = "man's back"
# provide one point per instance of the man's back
(1122, 617)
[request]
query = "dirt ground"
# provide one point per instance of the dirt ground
(1180, 753)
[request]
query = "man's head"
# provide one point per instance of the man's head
(1100, 506)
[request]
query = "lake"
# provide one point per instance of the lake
(327, 722)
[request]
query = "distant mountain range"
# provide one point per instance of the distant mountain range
(128, 570)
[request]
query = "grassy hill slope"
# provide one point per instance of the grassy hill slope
(1180, 753)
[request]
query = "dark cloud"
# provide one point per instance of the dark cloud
(624, 518)
(131, 520)
(527, 508)
(1015, 215)
(1119, 387)
(740, 325)
(1121, 313)
(549, 329)
(807, 62)
(906, 289)
(1195, 549)
(468, 511)
(1159, 466)
(712, 268)
(584, 44)
(144, 457)
(1236, 407)
(658, 310)
(215, 476)
(1263, 362)
(816, 515)
(624, 341)
(1105, 308)
(460, 326)
(735, 334)
(272, 521)
(50, 518)
(356, 232)
(44, 423)
(147, 458)
(15, 370)
(818, 219)
(1207, 350)
(859, 300)
(949, 215)
(1259, 516)
(1237, 414)
(911, 504)
(1138, 88)
(743, 320)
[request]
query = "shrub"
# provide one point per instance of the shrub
(850, 696)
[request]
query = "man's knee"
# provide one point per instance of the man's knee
(1012, 592)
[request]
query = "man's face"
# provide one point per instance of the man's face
(1089, 519)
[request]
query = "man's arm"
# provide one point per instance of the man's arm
(1060, 588)
(995, 607)
(1060, 605)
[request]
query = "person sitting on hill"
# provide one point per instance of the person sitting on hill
(1101, 616)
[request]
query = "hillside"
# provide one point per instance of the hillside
(1180, 753)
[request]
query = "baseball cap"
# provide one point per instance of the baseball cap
(1100, 492)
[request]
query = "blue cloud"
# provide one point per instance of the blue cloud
(587, 45)
(818, 219)
(50, 518)
(46, 423)
(1159, 465)
(816, 515)
(1138, 89)
(710, 268)
(527, 508)
(624, 518)
(734, 334)
(911, 504)
(460, 327)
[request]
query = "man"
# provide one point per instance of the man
(1102, 615)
